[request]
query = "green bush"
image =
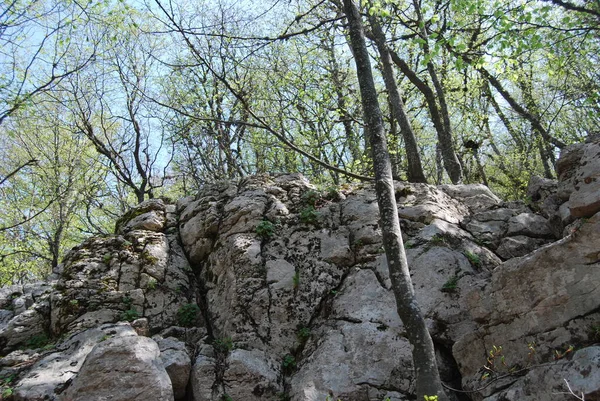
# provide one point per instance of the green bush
(38, 341)
(188, 314)
(265, 229)
(451, 284)
(310, 198)
(130, 315)
(289, 363)
(303, 334)
(223, 345)
(152, 284)
(309, 215)
(473, 258)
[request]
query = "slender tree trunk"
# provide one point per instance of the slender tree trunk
(451, 162)
(546, 155)
(449, 156)
(526, 114)
(415, 169)
(427, 377)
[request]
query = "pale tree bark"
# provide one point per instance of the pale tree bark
(445, 144)
(415, 168)
(426, 373)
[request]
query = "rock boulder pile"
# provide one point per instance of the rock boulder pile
(269, 289)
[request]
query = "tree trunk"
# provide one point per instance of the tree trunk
(427, 377)
(415, 169)
(451, 162)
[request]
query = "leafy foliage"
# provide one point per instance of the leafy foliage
(187, 315)
(265, 229)
(130, 315)
(101, 107)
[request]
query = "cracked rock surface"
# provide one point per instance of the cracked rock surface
(267, 288)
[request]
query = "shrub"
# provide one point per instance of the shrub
(149, 258)
(332, 193)
(130, 315)
(187, 315)
(265, 229)
(309, 215)
(310, 198)
(223, 345)
(289, 363)
(473, 258)
(451, 284)
(38, 341)
(303, 334)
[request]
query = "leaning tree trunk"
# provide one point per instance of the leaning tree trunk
(427, 377)
(415, 169)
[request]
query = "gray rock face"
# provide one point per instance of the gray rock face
(52, 372)
(268, 289)
(535, 307)
(517, 246)
(585, 199)
(177, 362)
(530, 225)
(122, 368)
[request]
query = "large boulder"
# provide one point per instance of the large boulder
(122, 369)
(534, 309)
(585, 199)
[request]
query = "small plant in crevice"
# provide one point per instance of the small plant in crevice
(332, 193)
(309, 215)
(223, 345)
(187, 315)
(310, 198)
(152, 284)
(403, 192)
(289, 363)
(594, 333)
(6, 382)
(265, 229)
(107, 258)
(451, 285)
(473, 258)
(296, 280)
(438, 240)
(7, 393)
(149, 258)
(303, 334)
(38, 341)
(130, 315)
(226, 397)
(561, 354)
(494, 356)
(283, 397)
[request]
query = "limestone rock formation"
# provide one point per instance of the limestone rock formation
(269, 289)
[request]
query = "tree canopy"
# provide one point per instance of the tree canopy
(106, 104)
